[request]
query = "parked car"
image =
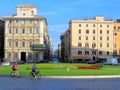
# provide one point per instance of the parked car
(30, 61)
(91, 62)
(5, 63)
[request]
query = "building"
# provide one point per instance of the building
(26, 35)
(1, 39)
(88, 39)
(116, 40)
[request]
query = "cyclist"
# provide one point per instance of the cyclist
(34, 70)
(15, 69)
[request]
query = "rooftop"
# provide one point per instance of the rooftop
(26, 6)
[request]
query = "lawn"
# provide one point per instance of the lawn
(63, 69)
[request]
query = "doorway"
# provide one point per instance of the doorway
(23, 56)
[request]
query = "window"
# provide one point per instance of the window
(29, 55)
(100, 31)
(23, 31)
(87, 31)
(100, 38)
(93, 31)
(30, 21)
(79, 25)
(93, 52)
(100, 44)
(86, 45)
(79, 52)
(10, 21)
(16, 44)
(23, 43)
(32, 12)
(107, 31)
(100, 52)
(9, 43)
(30, 44)
(79, 45)
(107, 38)
(8, 55)
(17, 21)
(93, 25)
(108, 53)
(93, 45)
(24, 14)
(86, 52)
(86, 25)
(100, 25)
(10, 31)
(79, 31)
(30, 30)
(36, 31)
(23, 22)
(16, 55)
(93, 38)
(79, 37)
(107, 26)
(107, 44)
(16, 30)
(86, 37)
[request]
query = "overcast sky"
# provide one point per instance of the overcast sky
(59, 12)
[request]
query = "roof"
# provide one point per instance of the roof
(26, 6)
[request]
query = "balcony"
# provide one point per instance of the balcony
(38, 47)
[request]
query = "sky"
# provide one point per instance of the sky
(58, 13)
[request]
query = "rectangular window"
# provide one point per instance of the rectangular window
(93, 38)
(30, 44)
(8, 55)
(16, 30)
(93, 31)
(79, 45)
(100, 44)
(100, 38)
(79, 52)
(100, 31)
(79, 25)
(86, 52)
(107, 44)
(86, 37)
(16, 44)
(79, 31)
(10, 31)
(79, 37)
(107, 31)
(107, 38)
(23, 31)
(93, 52)
(23, 43)
(30, 31)
(16, 55)
(100, 53)
(108, 53)
(87, 31)
(9, 44)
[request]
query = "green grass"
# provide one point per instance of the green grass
(61, 70)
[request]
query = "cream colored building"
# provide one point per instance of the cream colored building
(26, 35)
(89, 39)
(116, 40)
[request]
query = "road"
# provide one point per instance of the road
(7, 83)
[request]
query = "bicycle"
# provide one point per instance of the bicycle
(15, 74)
(35, 75)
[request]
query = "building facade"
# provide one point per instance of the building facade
(1, 39)
(116, 40)
(88, 39)
(26, 35)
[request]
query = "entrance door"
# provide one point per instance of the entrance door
(93, 58)
(23, 56)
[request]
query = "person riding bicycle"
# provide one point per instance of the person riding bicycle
(34, 69)
(15, 67)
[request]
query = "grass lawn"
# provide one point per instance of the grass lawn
(63, 69)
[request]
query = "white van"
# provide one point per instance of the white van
(111, 61)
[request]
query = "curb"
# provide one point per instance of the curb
(73, 77)
(81, 77)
